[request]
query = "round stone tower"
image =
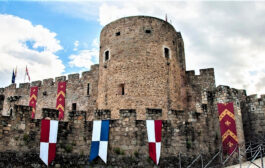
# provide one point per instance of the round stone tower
(141, 67)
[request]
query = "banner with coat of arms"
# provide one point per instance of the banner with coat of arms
(60, 101)
(227, 126)
(33, 100)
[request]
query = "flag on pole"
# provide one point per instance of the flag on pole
(100, 138)
(48, 139)
(13, 77)
(27, 74)
(154, 130)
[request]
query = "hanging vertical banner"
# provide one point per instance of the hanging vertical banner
(154, 130)
(100, 138)
(33, 100)
(48, 140)
(227, 126)
(60, 101)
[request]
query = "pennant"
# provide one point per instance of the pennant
(154, 131)
(27, 74)
(13, 77)
(100, 138)
(33, 100)
(48, 140)
(60, 101)
(227, 126)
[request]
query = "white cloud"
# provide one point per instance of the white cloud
(76, 44)
(84, 58)
(24, 44)
(223, 35)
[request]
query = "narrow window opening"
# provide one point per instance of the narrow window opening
(106, 56)
(166, 52)
(88, 89)
(118, 33)
(122, 89)
(74, 107)
(148, 31)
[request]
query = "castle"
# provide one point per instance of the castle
(141, 75)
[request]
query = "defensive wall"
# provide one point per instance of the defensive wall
(187, 132)
(141, 75)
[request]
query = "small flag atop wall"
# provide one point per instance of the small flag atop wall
(13, 77)
(154, 130)
(48, 140)
(100, 138)
(27, 74)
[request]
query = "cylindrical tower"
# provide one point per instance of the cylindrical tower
(140, 66)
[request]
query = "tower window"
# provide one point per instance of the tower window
(74, 107)
(148, 31)
(166, 53)
(118, 33)
(88, 89)
(121, 89)
(106, 56)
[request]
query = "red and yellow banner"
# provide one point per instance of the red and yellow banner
(227, 126)
(33, 100)
(60, 101)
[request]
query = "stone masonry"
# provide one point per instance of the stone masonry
(141, 75)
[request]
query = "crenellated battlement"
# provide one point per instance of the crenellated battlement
(51, 81)
(81, 92)
(223, 89)
(202, 72)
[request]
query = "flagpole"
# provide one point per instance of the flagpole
(25, 75)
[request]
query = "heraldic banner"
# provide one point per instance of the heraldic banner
(154, 131)
(227, 126)
(100, 139)
(60, 101)
(48, 140)
(33, 100)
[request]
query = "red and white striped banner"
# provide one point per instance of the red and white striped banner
(48, 139)
(154, 130)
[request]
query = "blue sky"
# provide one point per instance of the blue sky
(68, 29)
(62, 37)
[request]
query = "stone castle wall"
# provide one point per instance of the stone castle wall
(254, 117)
(76, 92)
(155, 87)
(189, 132)
(188, 135)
